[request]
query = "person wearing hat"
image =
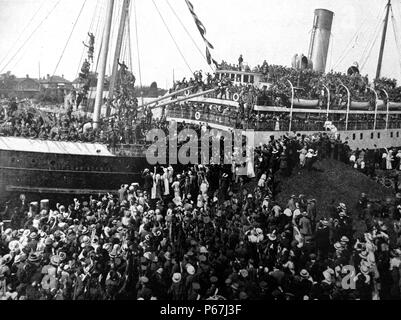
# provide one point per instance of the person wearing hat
(363, 284)
(305, 226)
(143, 291)
(212, 290)
(193, 292)
(291, 203)
(190, 269)
(322, 238)
(176, 291)
(312, 211)
(148, 181)
(32, 242)
(311, 157)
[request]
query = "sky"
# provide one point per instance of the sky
(34, 34)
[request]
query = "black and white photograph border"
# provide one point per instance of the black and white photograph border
(200, 155)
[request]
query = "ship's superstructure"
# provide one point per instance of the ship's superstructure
(257, 101)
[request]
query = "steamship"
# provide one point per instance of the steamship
(53, 167)
(369, 124)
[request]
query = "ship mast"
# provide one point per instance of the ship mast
(113, 80)
(379, 64)
(103, 63)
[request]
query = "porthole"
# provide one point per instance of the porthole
(378, 135)
(353, 136)
(372, 135)
(361, 136)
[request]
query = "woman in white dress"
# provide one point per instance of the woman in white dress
(166, 183)
(398, 156)
(153, 190)
(277, 126)
(204, 187)
(176, 187)
(389, 160)
(302, 156)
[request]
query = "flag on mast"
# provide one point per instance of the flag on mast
(202, 31)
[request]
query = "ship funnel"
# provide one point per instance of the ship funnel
(320, 39)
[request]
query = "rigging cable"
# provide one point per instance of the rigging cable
(30, 36)
(172, 37)
(370, 50)
(22, 32)
(69, 38)
(331, 51)
(397, 43)
(376, 35)
(90, 30)
(114, 32)
(348, 47)
(137, 44)
(376, 30)
(129, 41)
(99, 34)
(189, 35)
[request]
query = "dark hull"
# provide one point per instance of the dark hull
(46, 173)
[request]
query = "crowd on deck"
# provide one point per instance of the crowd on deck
(129, 123)
(29, 122)
(205, 232)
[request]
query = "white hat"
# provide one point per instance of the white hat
(190, 269)
(327, 276)
(364, 269)
(176, 277)
(304, 273)
(288, 212)
(272, 236)
(203, 250)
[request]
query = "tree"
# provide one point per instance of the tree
(153, 85)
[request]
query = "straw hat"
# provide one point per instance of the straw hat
(190, 269)
(304, 274)
(176, 277)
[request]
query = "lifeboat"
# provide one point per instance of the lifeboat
(360, 105)
(381, 105)
(304, 103)
(394, 106)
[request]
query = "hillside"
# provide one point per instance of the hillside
(332, 183)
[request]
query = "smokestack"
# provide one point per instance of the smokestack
(320, 39)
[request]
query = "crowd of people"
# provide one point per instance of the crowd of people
(205, 232)
(128, 123)
(29, 122)
(309, 83)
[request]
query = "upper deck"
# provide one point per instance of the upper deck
(241, 77)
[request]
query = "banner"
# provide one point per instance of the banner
(202, 31)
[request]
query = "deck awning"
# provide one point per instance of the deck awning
(59, 147)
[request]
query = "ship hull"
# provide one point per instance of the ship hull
(51, 173)
(357, 139)
(47, 173)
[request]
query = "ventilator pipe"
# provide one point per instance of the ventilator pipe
(292, 104)
(348, 105)
(376, 105)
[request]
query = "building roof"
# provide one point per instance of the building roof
(55, 79)
(19, 80)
